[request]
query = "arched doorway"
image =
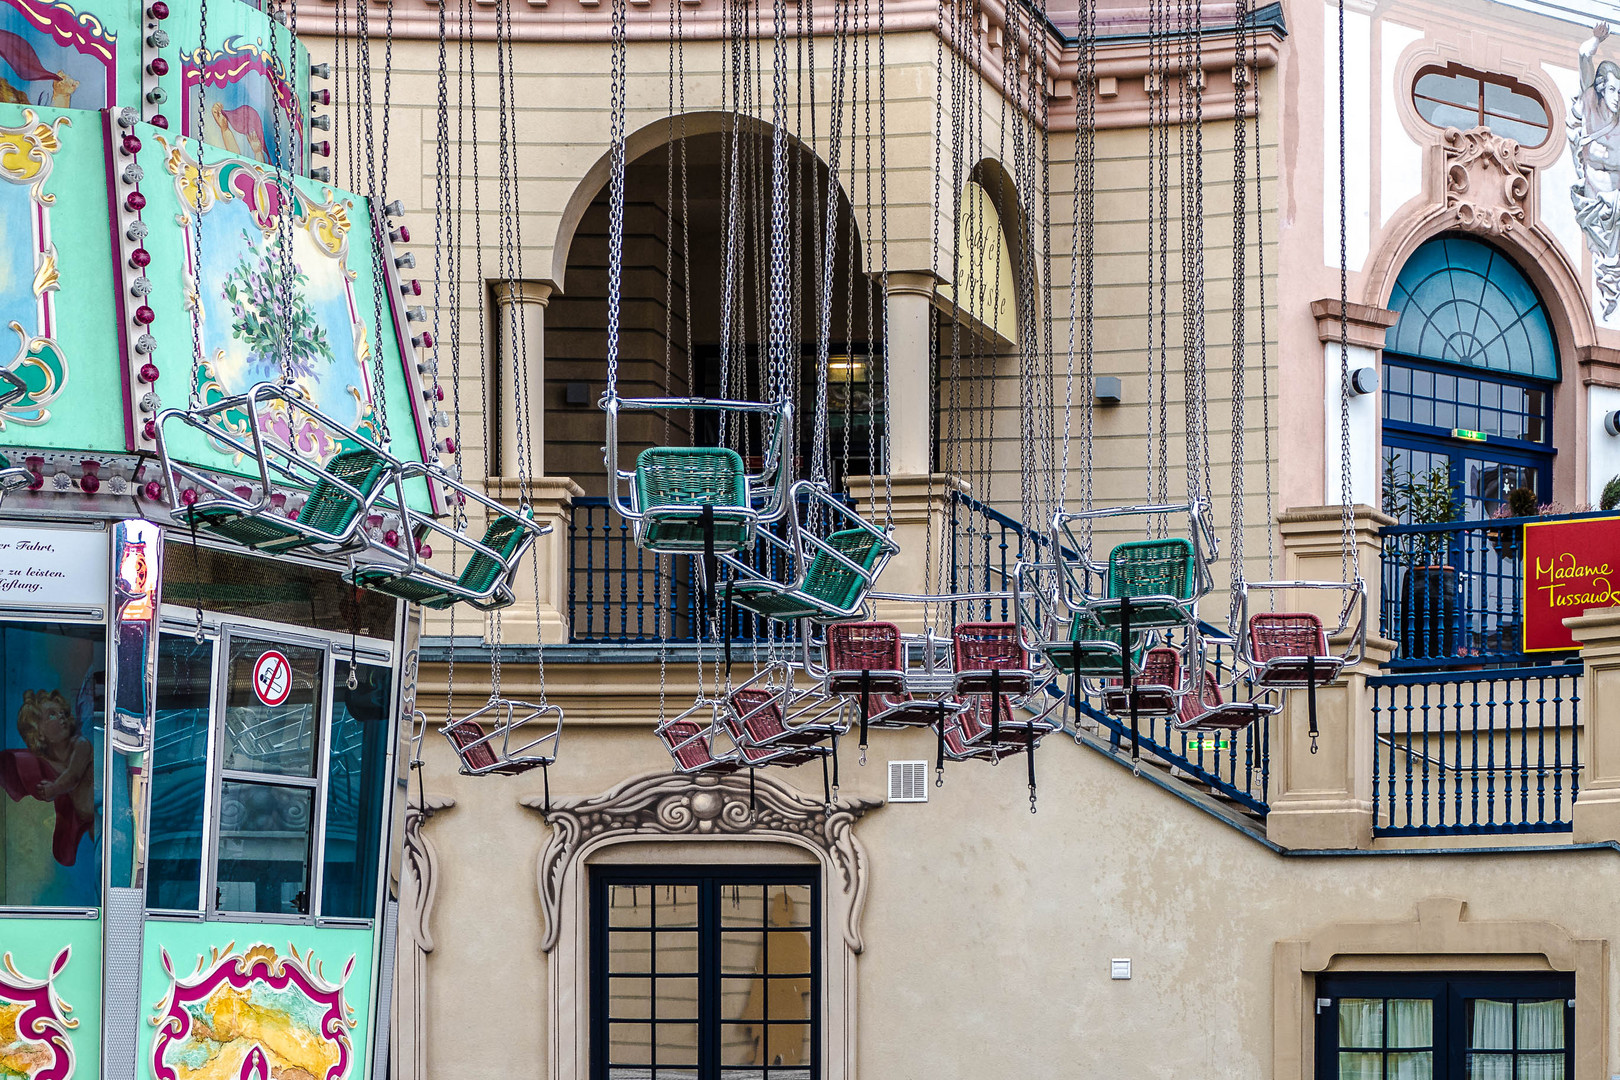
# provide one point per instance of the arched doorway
(1470, 370)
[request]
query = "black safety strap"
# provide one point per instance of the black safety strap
(826, 792)
(1029, 752)
(995, 707)
(939, 762)
(545, 774)
(866, 706)
(1130, 678)
(835, 765)
(1310, 698)
(752, 805)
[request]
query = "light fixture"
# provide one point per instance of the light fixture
(846, 369)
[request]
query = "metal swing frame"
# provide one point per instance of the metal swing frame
(1221, 714)
(694, 752)
(767, 490)
(808, 717)
(894, 699)
(276, 464)
(1084, 581)
(1300, 672)
(380, 564)
(803, 551)
(495, 751)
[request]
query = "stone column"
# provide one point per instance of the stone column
(544, 612)
(909, 311)
(1366, 326)
(1324, 799)
(520, 308)
(918, 505)
(1597, 809)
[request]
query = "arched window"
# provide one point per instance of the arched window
(1469, 373)
(1461, 98)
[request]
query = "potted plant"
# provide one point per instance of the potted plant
(1431, 592)
(1611, 494)
(1521, 503)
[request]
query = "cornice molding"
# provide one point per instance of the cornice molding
(669, 805)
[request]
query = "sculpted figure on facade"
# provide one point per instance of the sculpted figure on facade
(1594, 140)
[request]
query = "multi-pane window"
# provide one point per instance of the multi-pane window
(1465, 99)
(1445, 1027)
(705, 974)
(268, 778)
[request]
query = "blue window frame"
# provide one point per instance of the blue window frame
(1488, 1026)
(1469, 372)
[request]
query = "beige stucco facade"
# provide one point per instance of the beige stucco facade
(964, 936)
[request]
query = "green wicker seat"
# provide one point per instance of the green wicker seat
(477, 579)
(329, 508)
(673, 480)
(1098, 651)
(830, 589)
(1159, 577)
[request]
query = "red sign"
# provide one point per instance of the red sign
(272, 678)
(1569, 566)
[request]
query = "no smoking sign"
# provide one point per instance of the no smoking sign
(272, 678)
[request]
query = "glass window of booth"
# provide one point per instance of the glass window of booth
(52, 745)
(269, 786)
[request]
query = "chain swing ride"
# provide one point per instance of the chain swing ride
(1101, 607)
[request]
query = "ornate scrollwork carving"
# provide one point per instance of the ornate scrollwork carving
(670, 804)
(1487, 185)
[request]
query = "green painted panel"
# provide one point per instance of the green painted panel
(58, 324)
(299, 996)
(50, 988)
(248, 219)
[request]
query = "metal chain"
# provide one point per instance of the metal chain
(1346, 520)
(1240, 241)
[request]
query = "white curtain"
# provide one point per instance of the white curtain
(1541, 1027)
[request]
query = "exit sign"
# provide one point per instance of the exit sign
(1470, 436)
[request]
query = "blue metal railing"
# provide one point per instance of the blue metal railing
(615, 589)
(1453, 593)
(1476, 752)
(1235, 764)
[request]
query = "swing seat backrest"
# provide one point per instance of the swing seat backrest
(975, 719)
(1162, 667)
(463, 736)
(1152, 568)
(686, 476)
(830, 581)
(686, 743)
(989, 646)
(1194, 706)
(1286, 635)
(503, 535)
(760, 714)
(331, 509)
(864, 646)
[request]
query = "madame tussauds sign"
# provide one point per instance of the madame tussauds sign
(1569, 566)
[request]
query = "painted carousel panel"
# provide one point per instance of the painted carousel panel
(321, 323)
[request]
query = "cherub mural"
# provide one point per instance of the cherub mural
(58, 766)
(244, 121)
(1594, 140)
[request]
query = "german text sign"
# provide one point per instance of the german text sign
(1569, 566)
(53, 569)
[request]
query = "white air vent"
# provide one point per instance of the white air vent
(908, 781)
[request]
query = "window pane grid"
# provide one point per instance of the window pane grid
(747, 1010)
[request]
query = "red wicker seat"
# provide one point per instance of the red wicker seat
(477, 755)
(1156, 686)
(1209, 712)
(1289, 650)
(865, 656)
(689, 744)
(985, 648)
